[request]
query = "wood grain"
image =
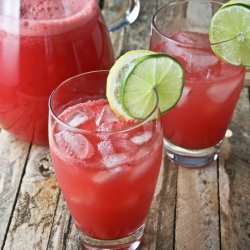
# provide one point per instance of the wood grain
(197, 219)
(247, 80)
(234, 176)
(12, 164)
(159, 231)
(61, 233)
(35, 205)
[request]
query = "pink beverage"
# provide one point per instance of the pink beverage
(49, 42)
(108, 179)
(211, 90)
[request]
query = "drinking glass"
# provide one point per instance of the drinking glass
(42, 43)
(107, 169)
(194, 129)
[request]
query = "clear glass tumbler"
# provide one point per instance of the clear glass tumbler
(107, 169)
(194, 129)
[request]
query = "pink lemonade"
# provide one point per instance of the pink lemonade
(39, 51)
(107, 179)
(211, 91)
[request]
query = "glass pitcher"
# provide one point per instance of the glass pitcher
(42, 43)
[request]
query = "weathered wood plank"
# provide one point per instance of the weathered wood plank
(61, 226)
(37, 199)
(234, 176)
(247, 79)
(159, 231)
(73, 240)
(247, 83)
(13, 154)
(197, 219)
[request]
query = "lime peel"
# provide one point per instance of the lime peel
(231, 25)
(115, 77)
(139, 106)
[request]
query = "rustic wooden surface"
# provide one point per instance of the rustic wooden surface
(192, 209)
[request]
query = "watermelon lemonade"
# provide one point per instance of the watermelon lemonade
(42, 43)
(198, 123)
(200, 118)
(107, 168)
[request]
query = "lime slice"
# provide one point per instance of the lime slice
(149, 73)
(230, 34)
(115, 78)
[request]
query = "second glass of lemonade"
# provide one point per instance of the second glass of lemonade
(194, 129)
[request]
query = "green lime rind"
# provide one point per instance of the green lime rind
(149, 73)
(233, 21)
(245, 3)
(235, 4)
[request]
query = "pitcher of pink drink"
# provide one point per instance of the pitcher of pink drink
(43, 43)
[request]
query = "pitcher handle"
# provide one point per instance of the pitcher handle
(128, 17)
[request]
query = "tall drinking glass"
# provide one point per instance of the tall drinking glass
(194, 129)
(107, 169)
(42, 43)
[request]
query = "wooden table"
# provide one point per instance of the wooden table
(192, 209)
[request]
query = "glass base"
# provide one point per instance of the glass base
(131, 242)
(191, 158)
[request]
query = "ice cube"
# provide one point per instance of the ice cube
(202, 62)
(110, 157)
(107, 126)
(104, 175)
(106, 119)
(219, 93)
(116, 152)
(190, 37)
(76, 145)
(78, 119)
(142, 137)
(105, 148)
(115, 160)
(81, 117)
(106, 116)
(194, 60)
(124, 146)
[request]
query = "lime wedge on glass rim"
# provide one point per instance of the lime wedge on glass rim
(230, 33)
(115, 78)
(135, 92)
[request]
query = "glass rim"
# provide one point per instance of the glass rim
(96, 132)
(205, 44)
